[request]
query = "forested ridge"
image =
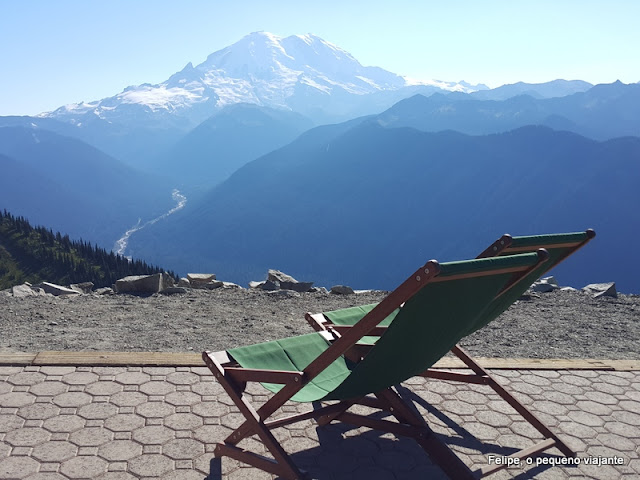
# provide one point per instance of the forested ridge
(36, 254)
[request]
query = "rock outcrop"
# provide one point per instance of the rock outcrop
(342, 290)
(142, 284)
(56, 290)
(544, 285)
(277, 280)
(199, 280)
(601, 289)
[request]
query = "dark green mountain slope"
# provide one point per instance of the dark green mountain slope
(35, 254)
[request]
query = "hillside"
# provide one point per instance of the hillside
(220, 145)
(363, 205)
(73, 187)
(35, 254)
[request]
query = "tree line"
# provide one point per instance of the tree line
(37, 254)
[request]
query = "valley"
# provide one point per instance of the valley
(120, 247)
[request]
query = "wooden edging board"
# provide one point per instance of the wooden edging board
(195, 360)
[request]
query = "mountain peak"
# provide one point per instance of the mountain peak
(298, 72)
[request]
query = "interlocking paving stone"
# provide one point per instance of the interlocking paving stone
(91, 437)
(54, 451)
(16, 399)
(64, 423)
(17, 467)
(79, 377)
(116, 423)
(72, 399)
(157, 388)
(120, 450)
(151, 465)
(83, 467)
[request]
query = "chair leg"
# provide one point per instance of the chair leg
(439, 452)
(281, 464)
(527, 414)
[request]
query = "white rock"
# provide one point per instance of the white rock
(198, 279)
(144, 283)
(55, 290)
(601, 289)
(544, 286)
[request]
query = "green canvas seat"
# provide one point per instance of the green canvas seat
(412, 343)
(424, 317)
(559, 247)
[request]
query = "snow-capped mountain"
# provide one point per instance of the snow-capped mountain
(261, 68)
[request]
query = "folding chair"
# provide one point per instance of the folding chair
(433, 309)
(559, 246)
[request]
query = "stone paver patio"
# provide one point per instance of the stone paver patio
(59, 422)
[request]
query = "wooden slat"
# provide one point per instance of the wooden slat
(17, 359)
(543, 364)
(173, 359)
(240, 374)
(119, 358)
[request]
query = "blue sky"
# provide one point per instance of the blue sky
(59, 52)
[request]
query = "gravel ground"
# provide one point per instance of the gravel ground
(549, 325)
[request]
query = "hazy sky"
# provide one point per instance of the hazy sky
(58, 52)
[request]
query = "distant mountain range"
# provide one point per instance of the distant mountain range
(601, 113)
(301, 73)
(363, 204)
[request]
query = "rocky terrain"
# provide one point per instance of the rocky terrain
(554, 324)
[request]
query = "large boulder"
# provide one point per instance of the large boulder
(342, 290)
(25, 290)
(56, 290)
(601, 289)
(287, 282)
(199, 280)
(144, 283)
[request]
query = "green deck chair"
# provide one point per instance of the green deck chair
(559, 246)
(435, 307)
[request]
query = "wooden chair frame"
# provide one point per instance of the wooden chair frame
(408, 423)
(502, 246)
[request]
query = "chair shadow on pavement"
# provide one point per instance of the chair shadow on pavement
(348, 452)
